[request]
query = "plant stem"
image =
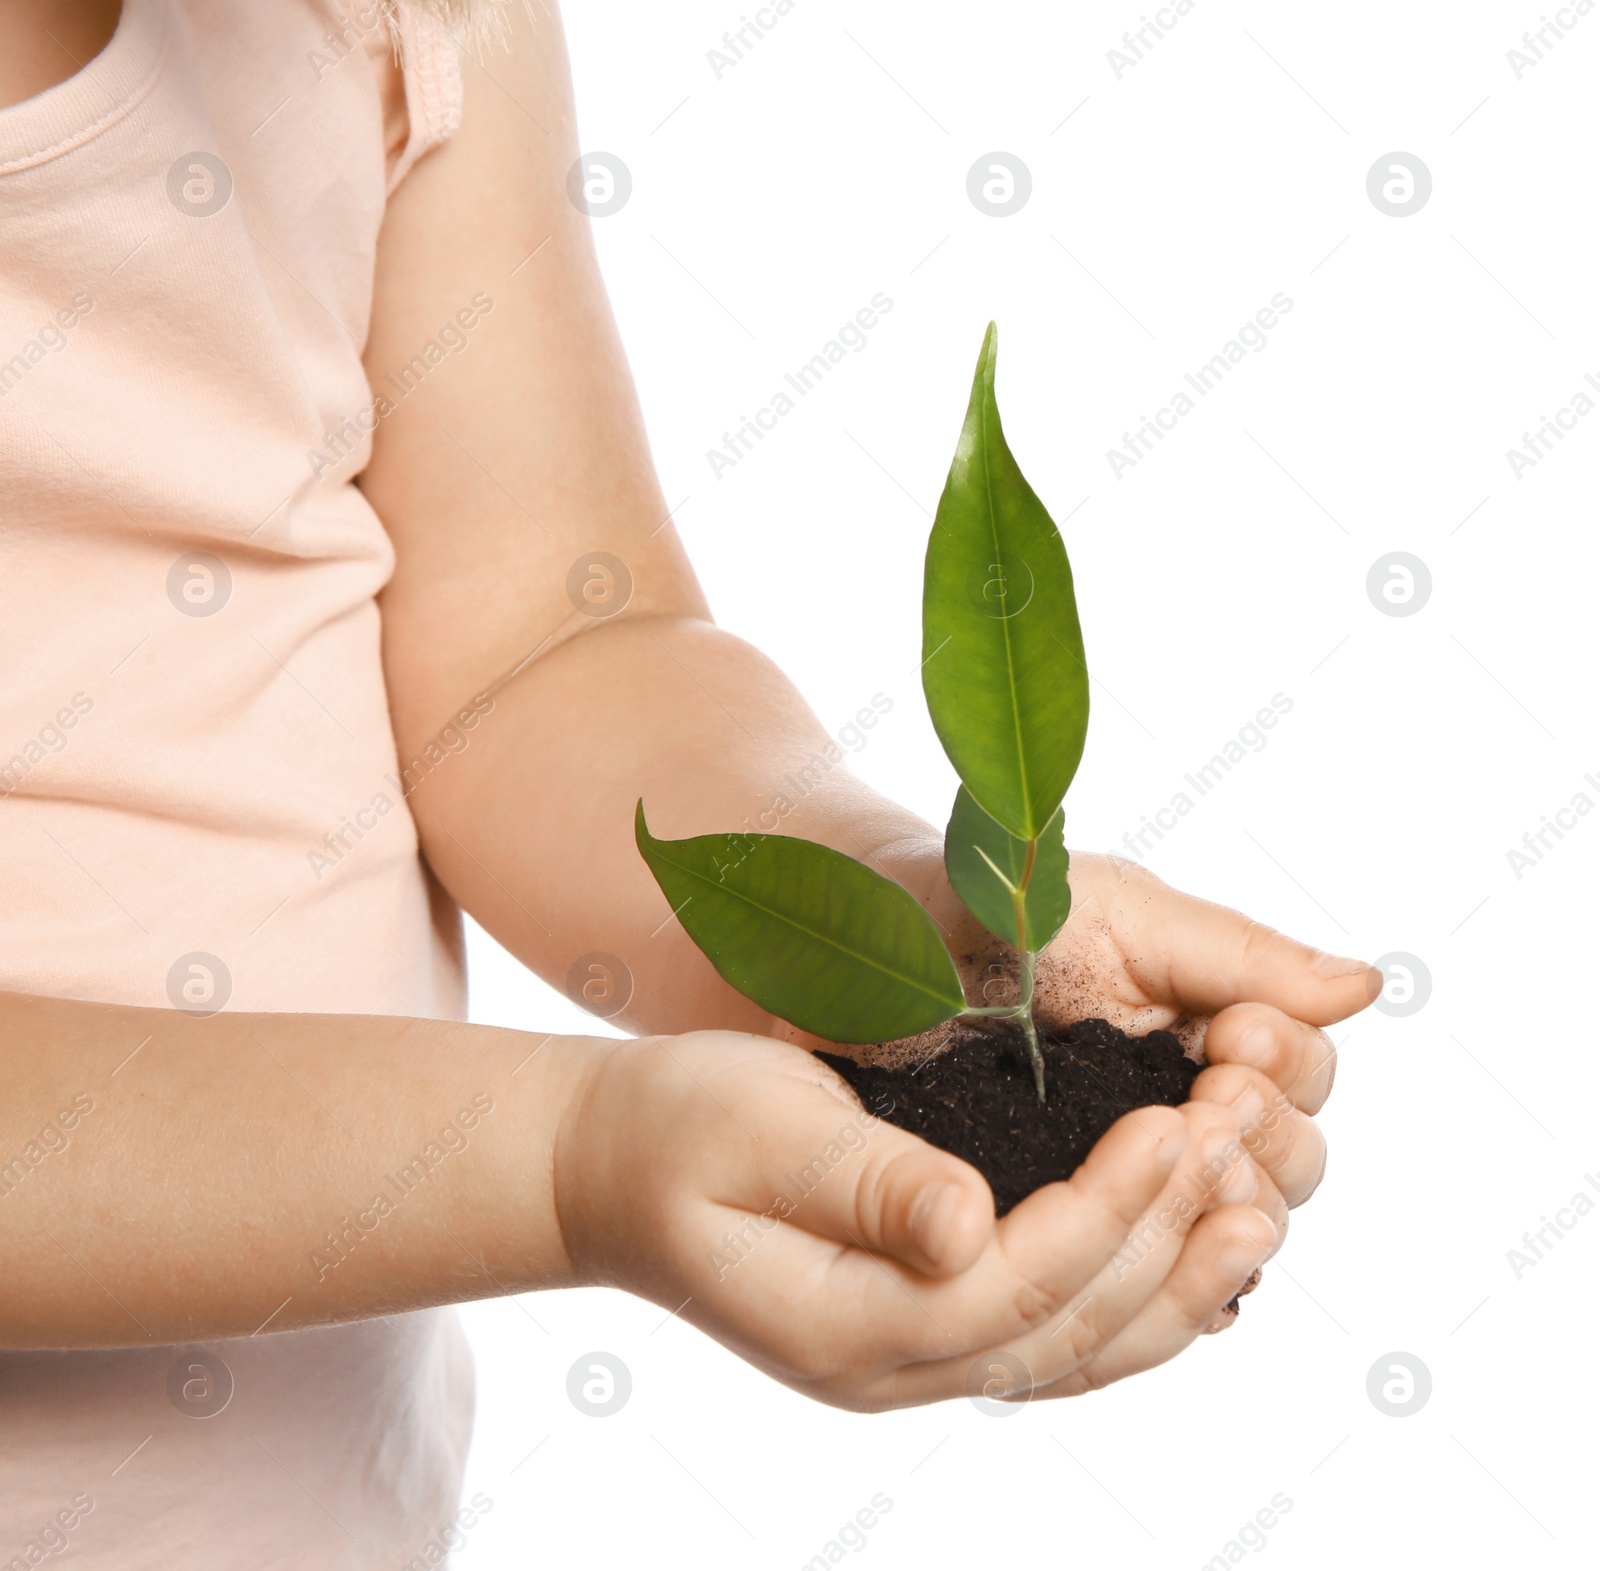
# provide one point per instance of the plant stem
(1022, 1010)
(1019, 903)
(1025, 1015)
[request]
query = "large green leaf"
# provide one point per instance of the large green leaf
(1002, 651)
(810, 934)
(975, 846)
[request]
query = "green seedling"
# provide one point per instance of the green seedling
(837, 949)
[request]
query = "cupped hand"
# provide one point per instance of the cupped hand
(1146, 956)
(736, 1180)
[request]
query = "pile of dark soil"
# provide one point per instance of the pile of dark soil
(977, 1099)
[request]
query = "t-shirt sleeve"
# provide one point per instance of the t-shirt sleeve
(419, 81)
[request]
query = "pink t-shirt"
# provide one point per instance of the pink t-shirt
(199, 803)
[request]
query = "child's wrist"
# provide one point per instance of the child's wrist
(549, 1086)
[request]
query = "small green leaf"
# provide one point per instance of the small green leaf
(810, 934)
(979, 853)
(1003, 666)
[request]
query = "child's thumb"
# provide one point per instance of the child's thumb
(893, 1195)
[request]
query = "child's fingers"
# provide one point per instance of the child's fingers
(1285, 1143)
(857, 1326)
(1221, 1252)
(1213, 1171)
(1298, 1057)
(1073, 1314)
(1123, 1176)
(890, 1194)
(899, 1197)
(1204, 957)
(1054, 1244)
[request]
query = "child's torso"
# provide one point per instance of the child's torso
(199, 804)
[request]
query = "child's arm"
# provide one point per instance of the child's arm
(166, 1179)
(523, 453)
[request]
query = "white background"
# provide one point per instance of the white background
(1231, 564)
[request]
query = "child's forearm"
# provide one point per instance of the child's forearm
(533, 832)
(167, 1179)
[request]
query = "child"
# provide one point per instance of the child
(298, 321)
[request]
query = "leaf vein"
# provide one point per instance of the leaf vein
(987, 408)
(822, 938)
